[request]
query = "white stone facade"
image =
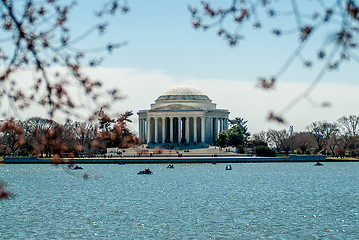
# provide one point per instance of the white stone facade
(182, 114)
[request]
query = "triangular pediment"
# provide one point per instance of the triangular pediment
(177, 107)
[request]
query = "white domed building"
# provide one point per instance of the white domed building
(183, 114)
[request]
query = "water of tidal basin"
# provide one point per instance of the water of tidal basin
(191, 201)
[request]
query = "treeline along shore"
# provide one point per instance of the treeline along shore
(171, 159)
(45, 138)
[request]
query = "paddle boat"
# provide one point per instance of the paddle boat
(76, 168)
(146, 171)
(229, 167)
(170, 166)
(319, 164)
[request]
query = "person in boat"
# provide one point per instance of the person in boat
(146, 171)
(77, 167)
(229, 167)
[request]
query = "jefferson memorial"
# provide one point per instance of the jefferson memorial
(183, 114)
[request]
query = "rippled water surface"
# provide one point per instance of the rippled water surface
(191, 201)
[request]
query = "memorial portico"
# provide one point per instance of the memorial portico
(182, 114)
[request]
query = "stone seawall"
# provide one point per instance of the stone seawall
(170, 159)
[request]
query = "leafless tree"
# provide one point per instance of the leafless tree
(280, 139)
(85, 134)
(349, 125)
(332, 142)
(38, 129)
(304, 141)
(68, 136)
(261, 136)
(322, 131)
(11, 136)
(348, 144)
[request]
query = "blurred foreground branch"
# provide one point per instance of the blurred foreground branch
(309, 18)
(36, 37)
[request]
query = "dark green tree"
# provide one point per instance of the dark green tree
(257, 143)
(261, 148)
(236, 136)
(222, 139)
(238, 133)
(264, 151)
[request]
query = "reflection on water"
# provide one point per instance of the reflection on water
(198, 201)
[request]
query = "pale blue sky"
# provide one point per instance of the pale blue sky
(160, 36)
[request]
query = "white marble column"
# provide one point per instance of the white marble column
(141, 129)
(215, 128)
(179, 130)
(144, 129)
(171, 129)
(156, 129)
(163, 129)
(203, 130)
(221, 125)
(195, 130)
(187, 130)
(145, 132)
(149, 139)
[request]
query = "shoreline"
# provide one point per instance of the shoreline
(175, 159)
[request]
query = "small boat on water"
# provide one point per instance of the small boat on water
(77, 168)
(146, 171)
(229, 167)
(319, 164)
(170, 166)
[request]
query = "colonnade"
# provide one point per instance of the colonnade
(177, 129)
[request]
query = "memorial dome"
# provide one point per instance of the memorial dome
(183, 90)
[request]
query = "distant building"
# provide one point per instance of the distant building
(182, 114)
